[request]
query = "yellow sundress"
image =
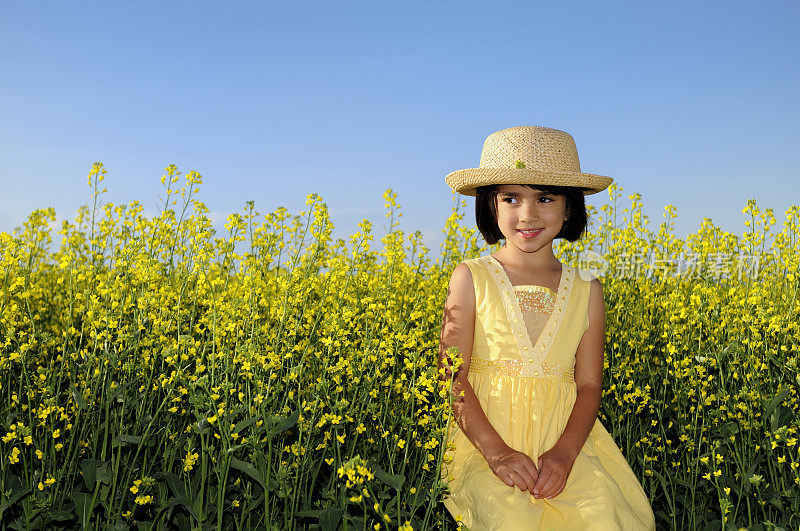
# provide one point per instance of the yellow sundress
(527, 390)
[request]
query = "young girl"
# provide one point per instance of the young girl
(530, 452)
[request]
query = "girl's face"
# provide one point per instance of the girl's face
(529, 219)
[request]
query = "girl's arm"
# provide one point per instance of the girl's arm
(514, 468)
(556, 463)
(458, 326)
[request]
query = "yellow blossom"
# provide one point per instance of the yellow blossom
(143, 500)
(190, 460)
(13, 458)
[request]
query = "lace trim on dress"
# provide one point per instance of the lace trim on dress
(551, 371)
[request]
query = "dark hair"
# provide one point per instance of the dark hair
(486, 211)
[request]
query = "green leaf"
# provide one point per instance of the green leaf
(285, 423)
(233, 449)
(202, 426)
(248, 469)
(357, 522)
(175, 484)
(124, 438)
(105, 491)
(330, 518)
(243, 424)
(174, 502)
(94, 471)
(83, 506)
(78, 397)
(254, 504)
(16, 495)
(393, 480)
(58, 515)
(667, 490)
(776, 400)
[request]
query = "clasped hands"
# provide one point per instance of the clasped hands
(545, 479)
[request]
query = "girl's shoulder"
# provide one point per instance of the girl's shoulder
(477, 265)
(477, 270)
(586, 276)
(477, 261)
(585, 283)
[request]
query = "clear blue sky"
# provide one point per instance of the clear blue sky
(689, 103)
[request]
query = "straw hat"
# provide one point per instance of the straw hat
(527, 155)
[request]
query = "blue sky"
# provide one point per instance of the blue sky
(687, 103)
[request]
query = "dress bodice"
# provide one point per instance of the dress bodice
(526, 331)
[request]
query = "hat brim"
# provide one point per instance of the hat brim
(466, 181)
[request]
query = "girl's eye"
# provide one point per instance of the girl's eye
(510, 199)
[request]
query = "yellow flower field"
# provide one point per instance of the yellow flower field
(156, 375)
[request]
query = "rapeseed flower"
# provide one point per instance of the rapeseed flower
(13, 457)
(190, 460)
(144, 500)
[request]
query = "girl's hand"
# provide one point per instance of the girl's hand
(514, 468)
(554, 468)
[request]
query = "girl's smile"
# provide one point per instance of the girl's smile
(530, 233)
